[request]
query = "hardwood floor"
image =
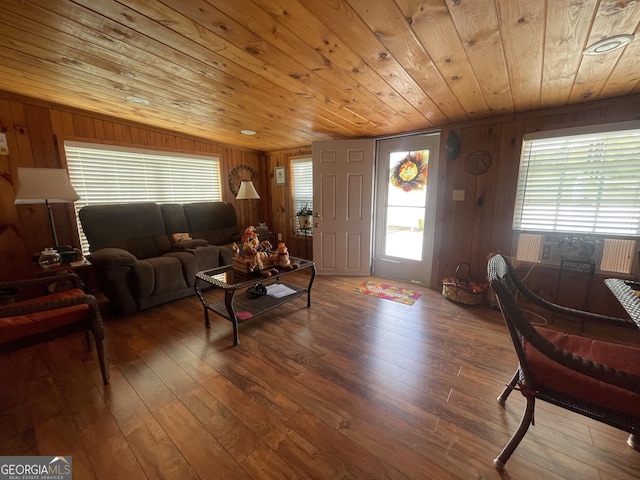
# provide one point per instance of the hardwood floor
(354, 387)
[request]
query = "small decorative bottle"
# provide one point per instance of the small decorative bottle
(49, 258)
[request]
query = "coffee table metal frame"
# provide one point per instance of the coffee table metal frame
(231, 281)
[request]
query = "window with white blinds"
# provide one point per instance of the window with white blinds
(302, 183)
(103, 174)
(580, 182)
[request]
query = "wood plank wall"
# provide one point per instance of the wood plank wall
(32, 129)
(465, 231)
(282, 211)
(481, 224)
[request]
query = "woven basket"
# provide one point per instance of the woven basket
(241, 264)
(454, 292)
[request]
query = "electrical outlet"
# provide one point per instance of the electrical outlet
(279, 236)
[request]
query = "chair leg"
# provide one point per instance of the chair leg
(102, 358)
(502, 399)
(513, 443)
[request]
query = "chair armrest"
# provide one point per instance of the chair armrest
(25, 308)
(112, 256)
(72, 277)
(94, 318)
(571, 312)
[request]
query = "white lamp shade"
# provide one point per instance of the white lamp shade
(37, 185)
(247, 191)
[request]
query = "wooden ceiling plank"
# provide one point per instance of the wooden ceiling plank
(194, 103)
(522, 30)
(626, 73)
(95, 25)
(477, 25)
(31, 76)
(300, 70)
(104, 106)
(433, 26)
(346, 25)
(298, 48)
(327, 126)
(567, 27)
(244, 48)
(391, 26)
(612, 18)
(305, 102)
(331, 48)
(83, 81)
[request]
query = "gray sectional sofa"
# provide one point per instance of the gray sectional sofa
(136, 258)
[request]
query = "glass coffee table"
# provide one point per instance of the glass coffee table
(237, 306)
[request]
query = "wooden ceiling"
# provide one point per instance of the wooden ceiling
(296, 71)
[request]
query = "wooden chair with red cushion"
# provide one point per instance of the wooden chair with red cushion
(595, 378)
(46, 316)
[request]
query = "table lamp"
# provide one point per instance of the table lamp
(248, 192)
(45, 185)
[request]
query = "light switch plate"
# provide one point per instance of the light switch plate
(458, 196)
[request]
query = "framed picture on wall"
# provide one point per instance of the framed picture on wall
(280, 175)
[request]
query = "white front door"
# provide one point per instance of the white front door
(405, 207)
(343, 204)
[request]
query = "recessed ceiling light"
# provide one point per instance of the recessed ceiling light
(247, 132)
(138, 100)
(608, 44)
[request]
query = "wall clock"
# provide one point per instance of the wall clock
(241, 172)
(478, 162)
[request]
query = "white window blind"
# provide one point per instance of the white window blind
(104, 174)
(302, 183)
(581, 183)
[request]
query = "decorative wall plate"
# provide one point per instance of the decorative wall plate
(478, 162)
(241, 172)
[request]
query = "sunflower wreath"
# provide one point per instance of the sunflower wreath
(410, 173)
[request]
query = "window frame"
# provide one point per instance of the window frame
(581, 160)
(211, 191)
(297, 204)
(614, 252)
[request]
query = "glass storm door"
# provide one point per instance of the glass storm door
(404, 214)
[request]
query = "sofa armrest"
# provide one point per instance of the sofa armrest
(112, 256)
(114, 269)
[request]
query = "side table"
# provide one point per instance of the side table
(306, 233)
(80, 268)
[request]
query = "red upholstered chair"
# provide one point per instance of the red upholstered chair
(28, 322)
(598, 379)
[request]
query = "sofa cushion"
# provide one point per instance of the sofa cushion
(174, 219)
(552, 375)
(136, 227)
(159, 275)
(215, 222)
